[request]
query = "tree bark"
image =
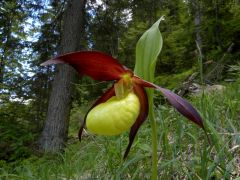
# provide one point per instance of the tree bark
(196, 8)
(55, 130)
(1, 69)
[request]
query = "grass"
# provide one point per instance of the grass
(183, 150)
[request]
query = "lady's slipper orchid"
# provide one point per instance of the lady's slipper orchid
(114, 116)
(125, 104)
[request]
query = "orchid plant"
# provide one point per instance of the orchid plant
(127, 103)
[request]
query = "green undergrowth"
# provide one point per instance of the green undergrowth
(172, 81)
(183, 149)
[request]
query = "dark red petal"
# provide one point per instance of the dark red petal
(184, 107)
(107, 95)
(141, 93)
(95, 64)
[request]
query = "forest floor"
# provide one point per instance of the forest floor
(184, 152)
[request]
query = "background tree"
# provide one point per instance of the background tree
(13, 41)
(55, 130)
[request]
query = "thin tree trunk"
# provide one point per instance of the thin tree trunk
(197, 21)
(55, 130)
(1, 69)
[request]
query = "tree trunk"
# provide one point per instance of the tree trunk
(55, 130)
(1, 70)
(197, 21)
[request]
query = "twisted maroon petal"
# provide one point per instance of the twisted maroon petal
(184, 107)
(141, 93)
(95, 64)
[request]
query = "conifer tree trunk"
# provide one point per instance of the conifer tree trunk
(1, 69)
(196, 9)
(55, 130)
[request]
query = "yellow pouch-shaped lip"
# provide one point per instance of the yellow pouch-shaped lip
(114, 116)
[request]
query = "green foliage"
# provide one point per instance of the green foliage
(183, 147)
(235, 70)
(220, 28)
(16, 131)
(178, 32)
(148, 48)
(12, 43)
(110, 20)
(173, 81)
(24, 87)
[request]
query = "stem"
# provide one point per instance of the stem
(154, 135)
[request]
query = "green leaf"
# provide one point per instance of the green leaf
(147, 51)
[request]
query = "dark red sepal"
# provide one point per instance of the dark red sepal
(184, 107)
(107, 95)
(95, 64)
(141, 93)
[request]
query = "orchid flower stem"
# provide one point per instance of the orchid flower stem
(154, 136)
